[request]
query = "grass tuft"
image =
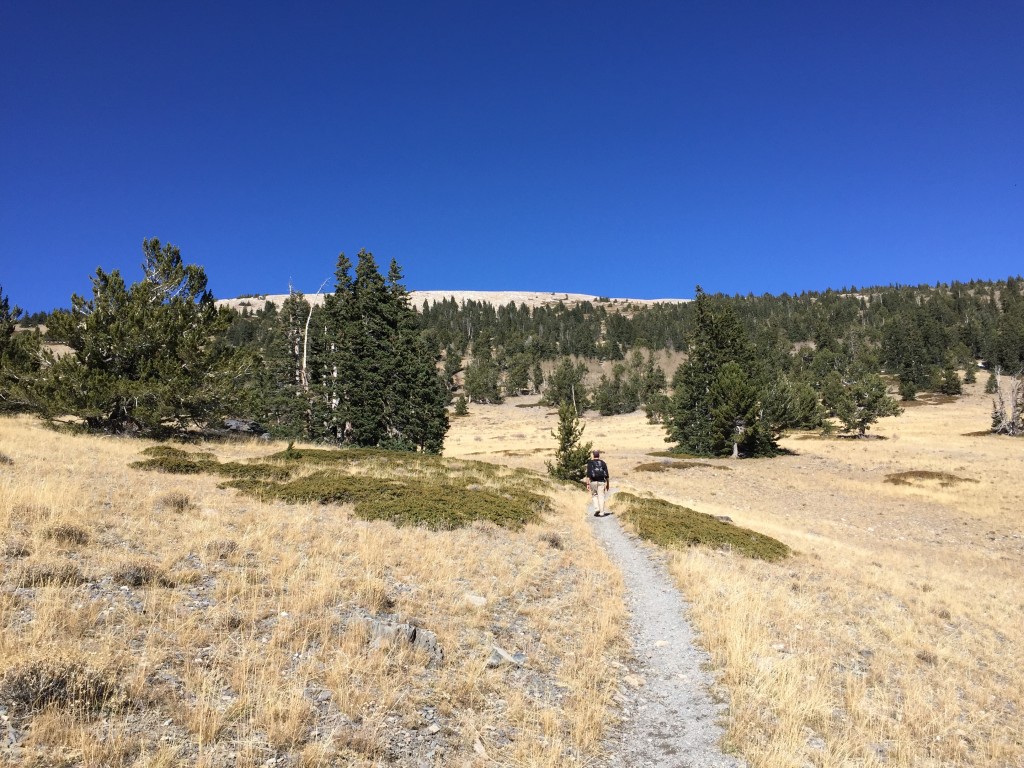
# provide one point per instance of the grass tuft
(50, 574)
(16, 548)
(33, 685)
(175, 501)
(140, 574)
(5, 459)
(671, 525)
(67, 533)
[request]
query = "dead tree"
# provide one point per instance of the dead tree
(1008, 405)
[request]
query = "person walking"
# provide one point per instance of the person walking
(598, 482)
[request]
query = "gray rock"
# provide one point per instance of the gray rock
(386, 633)
(500, 658)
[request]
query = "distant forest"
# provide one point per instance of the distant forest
(910, 325)
(770, 363)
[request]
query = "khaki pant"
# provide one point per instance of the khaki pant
(597, 490)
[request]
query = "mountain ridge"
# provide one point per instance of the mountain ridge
(496, 298)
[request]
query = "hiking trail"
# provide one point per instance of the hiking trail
(668, 716)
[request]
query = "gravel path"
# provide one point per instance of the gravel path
(669, 718)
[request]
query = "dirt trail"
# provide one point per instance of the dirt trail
(669, 717)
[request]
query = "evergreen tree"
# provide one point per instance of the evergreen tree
(537, 377)
(452, 365)
(715, 397)
(281, 397)
(991, 383)
(950, 383)
(566, 385)
(144, 358)
(863, 401)
(20, 359)
(571, 455)
(376, 377)
(483, 377)
(461, 406)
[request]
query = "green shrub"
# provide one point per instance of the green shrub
(441, 504)
(664, 466)
(671, 525)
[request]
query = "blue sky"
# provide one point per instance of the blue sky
(621, 149)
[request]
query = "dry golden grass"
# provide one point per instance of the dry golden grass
(894, 636)
(149, 619)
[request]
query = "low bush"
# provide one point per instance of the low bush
(668, 525)
(925, 476)
(440, 504)
(664, 466)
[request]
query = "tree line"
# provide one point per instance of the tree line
(159, 357)
(364, 368)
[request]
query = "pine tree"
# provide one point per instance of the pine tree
(461, 406)
(376, 374)
(483, 377)
(20, 359)
(145, 358)
(863, 401)
(571, 455)
(991, 383)
(715, 393)
(566, 385)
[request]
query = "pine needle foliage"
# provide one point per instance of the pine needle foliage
(571, 455)
(144, 357)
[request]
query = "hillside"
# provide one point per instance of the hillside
(496, 298)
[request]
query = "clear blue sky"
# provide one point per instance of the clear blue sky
(623, 149)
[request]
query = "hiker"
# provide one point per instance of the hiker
(598, 482)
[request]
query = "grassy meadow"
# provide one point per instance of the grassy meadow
(226, 616)
(894, 635)
(158, 619)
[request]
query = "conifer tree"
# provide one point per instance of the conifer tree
(571, 455)
(863, 401)
(715, 396)
(20, 359)
(144, 358)
(378, 383)
(483, 377)
(566, 385)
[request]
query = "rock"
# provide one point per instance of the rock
(500, 657)
(243, 426)
(723, 518)
(634, 681)
(477, 601)
(478, 747)
(434, 729)
(383, 633)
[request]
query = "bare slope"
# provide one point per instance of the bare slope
(497, 298)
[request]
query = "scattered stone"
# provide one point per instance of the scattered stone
(723, 518)
(500, 658)
(634, 681)
(434, 729)
(477, 601)
(478, 747)
(384, 633)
